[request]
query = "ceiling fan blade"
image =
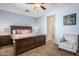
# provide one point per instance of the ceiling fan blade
(27, 10)
(43, 7)
(30, 3)
(43, 3)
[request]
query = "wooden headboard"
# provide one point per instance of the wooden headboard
(13, 27)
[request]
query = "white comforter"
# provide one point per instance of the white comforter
(19, 36)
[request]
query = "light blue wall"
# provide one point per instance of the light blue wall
(42, 24)
(8, 18)
(59, 27)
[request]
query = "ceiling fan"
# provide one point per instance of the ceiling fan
(37, 6)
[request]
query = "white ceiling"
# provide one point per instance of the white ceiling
(21, 7)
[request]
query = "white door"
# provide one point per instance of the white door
(50, 27)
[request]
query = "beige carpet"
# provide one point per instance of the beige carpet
(50, 49)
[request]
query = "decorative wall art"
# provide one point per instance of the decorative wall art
(69, 19)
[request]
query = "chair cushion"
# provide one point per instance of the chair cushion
(67, 44)
(70, 37)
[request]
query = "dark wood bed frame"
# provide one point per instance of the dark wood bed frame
(21, 45)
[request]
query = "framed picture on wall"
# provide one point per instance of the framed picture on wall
(69, 19)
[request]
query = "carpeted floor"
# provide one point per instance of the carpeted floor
(50, 49)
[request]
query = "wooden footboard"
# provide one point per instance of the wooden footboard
(21, 45)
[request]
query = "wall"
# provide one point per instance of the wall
(59, 27)
(8, 18)
(42, 24)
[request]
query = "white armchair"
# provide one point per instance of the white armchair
(69, 42)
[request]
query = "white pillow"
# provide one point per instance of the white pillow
(26, 31)
(14, 32)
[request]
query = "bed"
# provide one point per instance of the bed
(24, 39)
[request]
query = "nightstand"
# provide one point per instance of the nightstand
(5, 40)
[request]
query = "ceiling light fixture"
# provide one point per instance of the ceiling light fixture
(37, 6)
